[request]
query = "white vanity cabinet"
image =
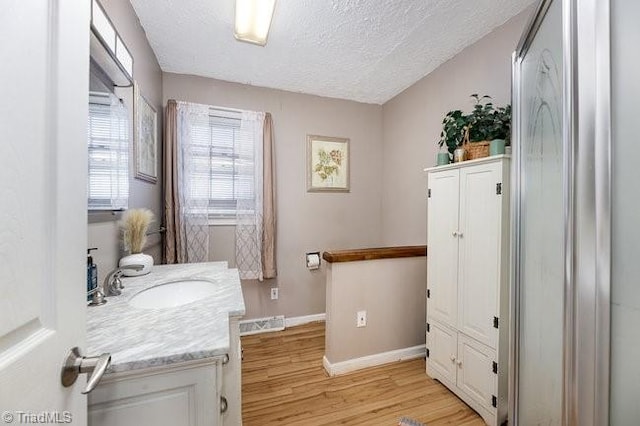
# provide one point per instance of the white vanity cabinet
(197, 393)
(467, 282)
(172, 366)
(182, 395)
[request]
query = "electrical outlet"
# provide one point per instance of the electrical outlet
(274, 293)
(361, 320)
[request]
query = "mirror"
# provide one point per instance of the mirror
(109, 136)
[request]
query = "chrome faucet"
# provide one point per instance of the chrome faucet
(112, 285)
(97, 298)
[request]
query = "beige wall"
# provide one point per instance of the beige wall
(392, 291)
(412, 122)
(306, 221)
(103, 231)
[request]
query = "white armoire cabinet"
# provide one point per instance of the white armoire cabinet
(467, 282)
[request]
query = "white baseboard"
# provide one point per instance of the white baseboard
(293, 321)
(350, 365)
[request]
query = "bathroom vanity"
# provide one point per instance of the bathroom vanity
(174, 340)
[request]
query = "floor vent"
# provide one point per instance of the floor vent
(261, 325)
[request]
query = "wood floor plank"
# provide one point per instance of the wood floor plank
(284, 383)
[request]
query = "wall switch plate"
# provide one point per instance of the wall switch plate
(361, 320)
(274, 293)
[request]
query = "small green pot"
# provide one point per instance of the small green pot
(443, 159)
(496, 147)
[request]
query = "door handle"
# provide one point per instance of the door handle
(77, 364)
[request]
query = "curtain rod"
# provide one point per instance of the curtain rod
(226, 109)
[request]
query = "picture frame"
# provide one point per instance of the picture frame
(145, 138)
(328, 164)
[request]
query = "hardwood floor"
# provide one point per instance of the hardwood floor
(284, 383)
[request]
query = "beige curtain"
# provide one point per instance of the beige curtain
(173, 242)
(269, 269)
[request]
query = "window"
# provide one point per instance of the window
(108, 143)
(222, 170)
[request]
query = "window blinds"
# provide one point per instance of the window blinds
(222, 169)
(108, 145)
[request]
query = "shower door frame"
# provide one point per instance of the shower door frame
(587, 210)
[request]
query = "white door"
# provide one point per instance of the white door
(44, 51)
(479, 258)
(475, 370)
(442, 346)
(442, 241)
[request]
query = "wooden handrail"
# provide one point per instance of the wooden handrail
(355, 255)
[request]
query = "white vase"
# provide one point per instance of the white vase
(136, 259)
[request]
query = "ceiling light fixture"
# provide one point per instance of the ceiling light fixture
(253, 20)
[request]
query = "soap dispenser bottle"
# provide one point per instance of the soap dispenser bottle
(92, 273)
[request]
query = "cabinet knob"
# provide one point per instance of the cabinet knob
(453, 358)
(455, 234)
(459, 234)
(224, 405)
(459, 363)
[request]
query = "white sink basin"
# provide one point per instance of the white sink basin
(172, 294)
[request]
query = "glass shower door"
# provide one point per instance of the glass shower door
(539, 222)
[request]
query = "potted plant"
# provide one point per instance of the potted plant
(134, 226)
(454, 127)
(501, 132)
(481, 118)
(471, 135)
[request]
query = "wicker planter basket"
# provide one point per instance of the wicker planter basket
(475, 150)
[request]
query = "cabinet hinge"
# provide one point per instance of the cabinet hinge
(428, 293)
(427, 352)
(429, 193)
(495, 367)
(498, 188)
(495, 322)
(494, 401)
(428, 327)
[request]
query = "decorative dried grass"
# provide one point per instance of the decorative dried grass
(134, 225)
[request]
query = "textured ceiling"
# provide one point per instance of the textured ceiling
(362, 50)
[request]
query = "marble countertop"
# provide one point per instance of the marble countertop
(142, 338)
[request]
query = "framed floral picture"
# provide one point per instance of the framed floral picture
(145, 138)
(327, 164)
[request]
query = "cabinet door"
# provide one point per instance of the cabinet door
(186, 397)
(475, 370)
(442, 241)
(442, 345)
(479, 251)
